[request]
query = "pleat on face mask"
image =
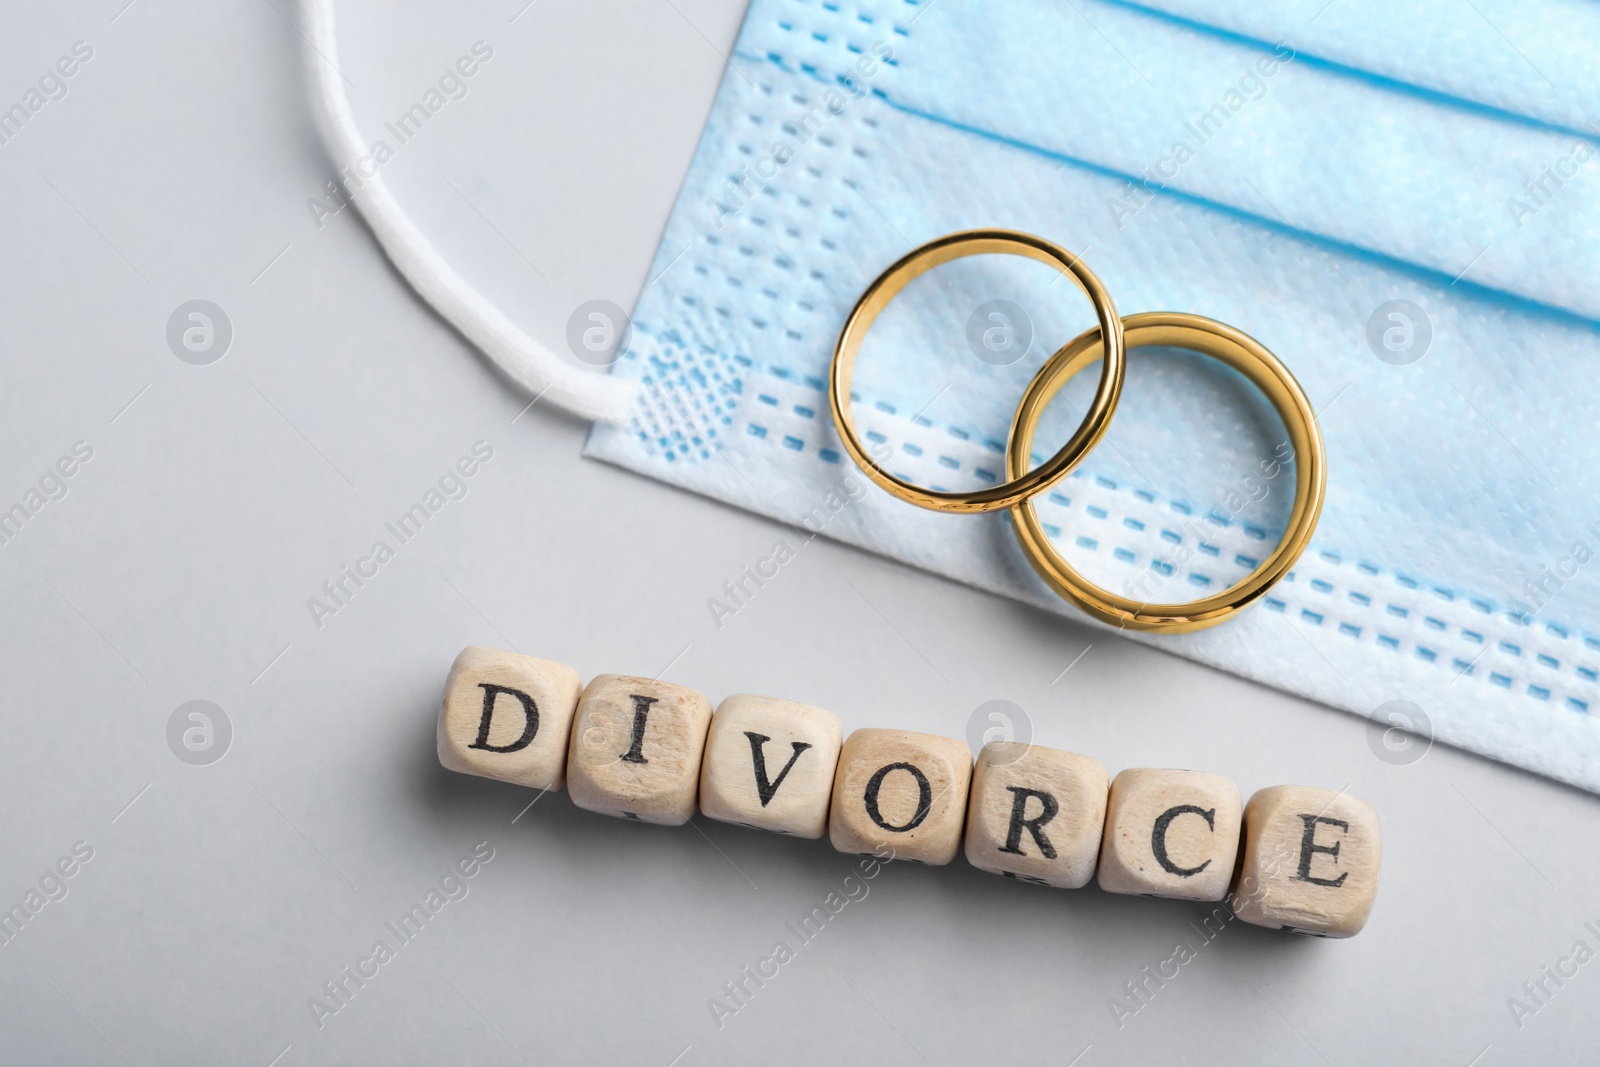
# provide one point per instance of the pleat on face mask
(1410, 227)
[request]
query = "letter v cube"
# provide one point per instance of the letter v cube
(769, 765)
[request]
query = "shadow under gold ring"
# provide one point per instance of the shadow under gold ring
(1247, 356)
(924, 258)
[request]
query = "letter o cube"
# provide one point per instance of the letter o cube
(900, 795)
(1310, 861)
(636, 748)
(507, 716)
(1170, 834)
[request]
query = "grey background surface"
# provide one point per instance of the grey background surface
(219, 498)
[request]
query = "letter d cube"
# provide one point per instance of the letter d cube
(507, 716)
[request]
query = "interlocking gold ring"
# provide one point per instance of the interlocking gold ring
(1247, 356)
(886, 287)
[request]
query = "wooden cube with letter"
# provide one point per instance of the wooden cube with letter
(1170, 833)
(1310, 861)
(636, 748)
(507, 716)
(1036, 813)
(769, 764)
(900, 794)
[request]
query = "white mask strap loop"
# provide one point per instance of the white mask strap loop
(601, 397)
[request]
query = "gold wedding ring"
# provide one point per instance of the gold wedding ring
(1247, 356)
(1106, 344)
(888, 285)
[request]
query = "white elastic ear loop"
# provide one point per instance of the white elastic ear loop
(593, 396)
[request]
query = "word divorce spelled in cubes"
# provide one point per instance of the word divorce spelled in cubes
(1294, 858)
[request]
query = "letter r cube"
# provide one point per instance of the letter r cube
(1036, 813)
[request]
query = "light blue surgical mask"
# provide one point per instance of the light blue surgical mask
(1413, 229)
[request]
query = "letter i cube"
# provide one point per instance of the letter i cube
(636, 749)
